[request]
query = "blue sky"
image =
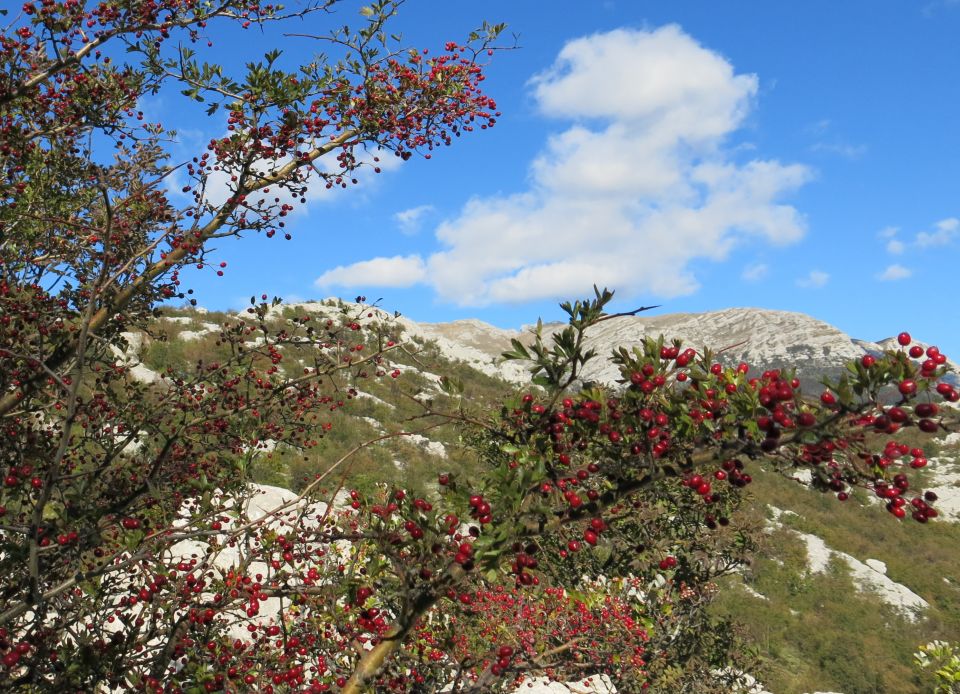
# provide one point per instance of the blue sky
(799, 156)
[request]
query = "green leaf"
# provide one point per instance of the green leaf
(519, 351)
(366, 11)
(453, 386)
(133, 539)
(51, 512)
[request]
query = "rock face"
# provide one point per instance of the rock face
(483, 337)
(764, 339)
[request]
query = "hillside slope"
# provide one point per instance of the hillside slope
(793, 601)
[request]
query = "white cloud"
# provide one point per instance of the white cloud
(843, 149)
(640, 186)
(814, 280)
(836, 145)
(631, 200)
(410, 220)
(663, 78)
(755, 272)
(944, 232)
(931, 8)
(398, 271)
(894, 272)
(895, 247)
(888, 232)
(819, 127)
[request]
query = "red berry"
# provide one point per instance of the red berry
(897, 415)
(907, 386)
(904, 339)
(667, 563)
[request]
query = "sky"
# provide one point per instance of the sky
(698, 155)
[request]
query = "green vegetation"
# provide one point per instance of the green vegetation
(943, 659)
(809, 631)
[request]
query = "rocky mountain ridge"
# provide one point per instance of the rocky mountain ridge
(763, 338)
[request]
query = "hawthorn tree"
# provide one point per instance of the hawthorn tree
(133, 555)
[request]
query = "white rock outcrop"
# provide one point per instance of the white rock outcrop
(131, 358)
(868, 576)
(944, 481)
(432, 447)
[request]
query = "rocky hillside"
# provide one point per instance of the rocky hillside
(793, 601)
(762, 338)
